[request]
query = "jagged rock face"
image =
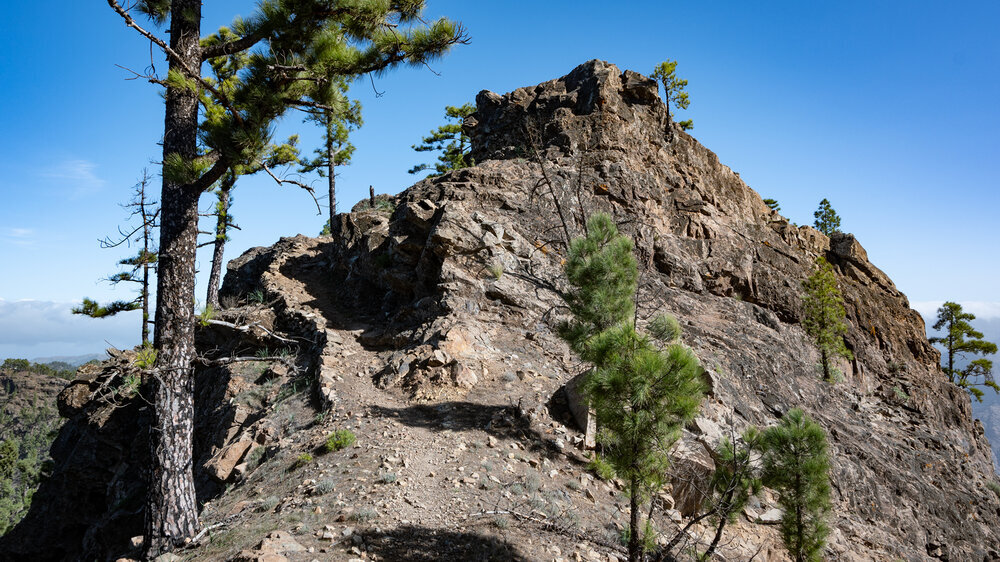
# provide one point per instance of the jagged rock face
(465, 270)
(454, 287)
(94, 501)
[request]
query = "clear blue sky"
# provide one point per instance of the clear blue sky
(888, 109)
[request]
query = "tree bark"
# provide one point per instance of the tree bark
(331, 166)
(171, 506)
(219, 248)
(723, 517)
(634, 539)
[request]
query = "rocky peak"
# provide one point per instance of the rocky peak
(435, 310)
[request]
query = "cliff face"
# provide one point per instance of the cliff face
(433, 313)
(467, 264)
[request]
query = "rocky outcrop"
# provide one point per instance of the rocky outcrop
(449, 293)
(465, 274)
(93, 502)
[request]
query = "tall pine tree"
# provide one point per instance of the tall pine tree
(298, 47)
(797, 466)
(827, 220)
(450, 140)
(139, 267)
(823, 315)
(337, 150)
(673, 89)
(642, 395)
(976, 373)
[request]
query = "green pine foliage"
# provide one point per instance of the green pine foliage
(312, 53)
(734, 482)
(59, 369)
(827, 220)
(340, 439)
(673, 88)
(796, 465)
(343, 117)
(26, 434)
(641, 395)
(772, 204)
(959, 340)
(823, 315)
(450, 140)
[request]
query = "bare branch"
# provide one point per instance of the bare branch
(130, 21)
(191, 72)
(246, 329)
(308, 188)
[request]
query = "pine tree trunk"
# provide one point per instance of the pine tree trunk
(221, 228)
(634, 550)
(171, 506)
(146, 227)
(826, 365)
(145, 302)
(330, 168)
(723, 518)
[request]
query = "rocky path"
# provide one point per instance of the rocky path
(427, 480)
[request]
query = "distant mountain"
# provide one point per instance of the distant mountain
(71, 360)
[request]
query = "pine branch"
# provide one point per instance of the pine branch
(130, 21)
(312, 192)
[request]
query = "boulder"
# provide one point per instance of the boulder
(583, 414)
(222, 465)
(691, 471)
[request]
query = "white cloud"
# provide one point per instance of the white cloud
(31, 328)
(982, 309)
(79, 175)
(19, 236)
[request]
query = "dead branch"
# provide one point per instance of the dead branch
(130, 21)
(247, 328)
(308, 188)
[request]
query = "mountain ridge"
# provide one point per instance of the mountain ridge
(427, 326)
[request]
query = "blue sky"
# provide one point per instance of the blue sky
(888, 109)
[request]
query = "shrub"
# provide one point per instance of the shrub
(324, 486)
(145, 358)
(364, 515)
(496, 270)
(267, 504)
(601, 468)
(302, 460)
(340, 439)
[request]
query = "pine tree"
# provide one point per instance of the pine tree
(297, 48)
(796, 466)
(978, 372)
(823, 315)
(139, 267)
(642, 395)
(673, 89)
(274, 156)
(772, 204)
(337, 149)
(450, 140)
(827, 220)
(734, 481)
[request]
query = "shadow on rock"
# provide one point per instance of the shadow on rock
(502, 422)
(412, 543)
